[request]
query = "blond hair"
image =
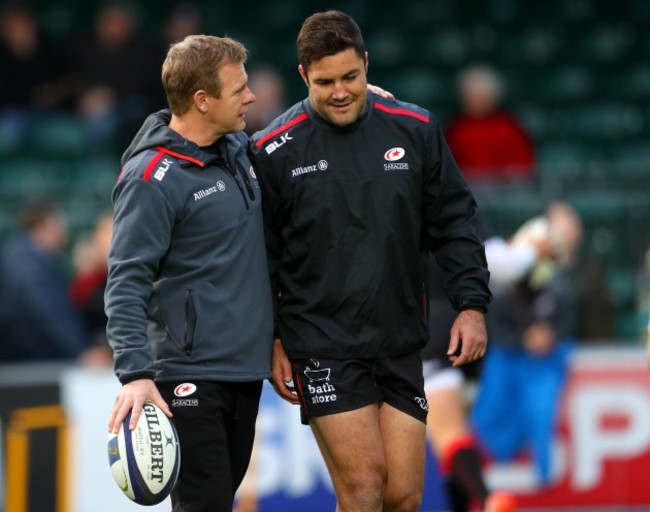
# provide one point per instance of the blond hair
(193, 64)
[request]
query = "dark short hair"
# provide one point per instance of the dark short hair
(328, 33)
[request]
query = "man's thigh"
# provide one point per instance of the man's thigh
(351, 443)
(404, 440)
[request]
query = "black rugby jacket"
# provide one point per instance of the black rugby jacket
(348, 214)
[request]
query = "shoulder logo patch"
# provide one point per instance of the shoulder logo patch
(278, 143)
(162, 169)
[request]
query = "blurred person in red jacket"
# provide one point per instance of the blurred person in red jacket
(488, 143)
(87, 290)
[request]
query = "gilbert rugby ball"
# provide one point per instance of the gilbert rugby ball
(145, 461)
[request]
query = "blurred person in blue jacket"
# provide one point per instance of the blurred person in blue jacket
(532, 327)
(37, 318)
(447, 388)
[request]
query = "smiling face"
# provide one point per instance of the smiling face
(227, 113)
(337, 86)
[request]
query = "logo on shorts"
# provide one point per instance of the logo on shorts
(185, 402)
(185, 389)
(324, 392)
(422, 402)
(318, 374)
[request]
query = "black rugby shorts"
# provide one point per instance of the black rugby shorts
(330, 386)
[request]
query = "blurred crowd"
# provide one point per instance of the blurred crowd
(51, 279)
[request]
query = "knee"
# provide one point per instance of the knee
(363, 490)
(406, 499)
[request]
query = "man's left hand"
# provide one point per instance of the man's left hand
(470, 333)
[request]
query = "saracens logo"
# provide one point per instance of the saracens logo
(185, 389)
(394, 154)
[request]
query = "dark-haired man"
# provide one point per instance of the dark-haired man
(355, 188)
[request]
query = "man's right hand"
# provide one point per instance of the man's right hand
(133, 395)
(281, 374)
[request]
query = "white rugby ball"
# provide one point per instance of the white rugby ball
(145, 461)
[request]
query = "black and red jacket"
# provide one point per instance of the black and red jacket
(348, 213)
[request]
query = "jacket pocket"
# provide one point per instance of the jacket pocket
(190, 321)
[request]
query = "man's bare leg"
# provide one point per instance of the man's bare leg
(351, 444)
(404, 439)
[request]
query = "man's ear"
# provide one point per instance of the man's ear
(366, 63)
(303, 74)
(201, 101)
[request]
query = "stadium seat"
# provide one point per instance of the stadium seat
(386, 48)
(33, 178)
(59, 136)
(95, 178)
(507, 210)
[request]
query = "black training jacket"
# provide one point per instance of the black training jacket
(188, 294)
(348, 214)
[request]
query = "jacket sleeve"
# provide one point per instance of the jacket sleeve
(143, 223)
(271, 209)
(450, 227)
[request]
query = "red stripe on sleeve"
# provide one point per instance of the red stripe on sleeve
(182, 157)
(154, 161)
(120, 176)
(401, 111)
(297, 384)
(282, 128)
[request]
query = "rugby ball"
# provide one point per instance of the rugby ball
(145, 461)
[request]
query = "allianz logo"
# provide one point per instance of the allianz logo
(219, 186)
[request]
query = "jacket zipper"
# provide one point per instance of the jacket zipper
(190, 322)
(237, 177)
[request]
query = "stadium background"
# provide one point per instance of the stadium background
(577, 74)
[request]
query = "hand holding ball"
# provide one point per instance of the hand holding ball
(145, 461)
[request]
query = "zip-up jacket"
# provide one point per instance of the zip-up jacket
(188, 293)
(349, 213)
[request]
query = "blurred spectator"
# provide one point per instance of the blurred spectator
(87, 290)
(184, 20)
(116, 68)
(33, 73)
(448, 431)
(37, 319)
(487, 142)
(269, 89)
(532, 327)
